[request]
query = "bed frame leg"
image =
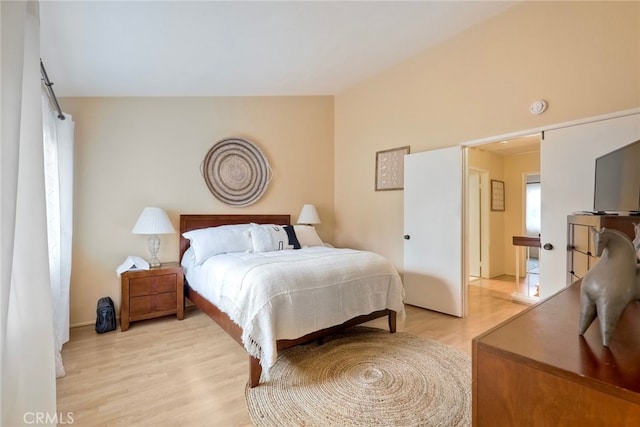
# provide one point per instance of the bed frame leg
(255, 369)
(392, 321)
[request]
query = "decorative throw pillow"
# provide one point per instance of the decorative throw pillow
(271, 237)
(207, 242)
(293, 239)
(307, 235)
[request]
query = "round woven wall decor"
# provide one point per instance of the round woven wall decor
(236, 171)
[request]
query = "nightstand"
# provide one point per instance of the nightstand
(147, 294)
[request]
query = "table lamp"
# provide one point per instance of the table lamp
(153, 221)
(308, 215)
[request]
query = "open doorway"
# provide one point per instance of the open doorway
(491, 245)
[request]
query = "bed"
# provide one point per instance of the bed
(386, 294)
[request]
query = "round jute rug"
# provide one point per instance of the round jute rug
(365, 377)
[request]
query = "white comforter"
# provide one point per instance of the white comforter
(287, 294)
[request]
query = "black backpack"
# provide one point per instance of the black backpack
(106, 320)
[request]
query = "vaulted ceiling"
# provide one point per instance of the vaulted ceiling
(239, 48)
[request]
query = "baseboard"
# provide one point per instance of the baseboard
(524, 299)
(188, 304)
(77, 325)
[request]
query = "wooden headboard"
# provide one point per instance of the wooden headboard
(195, 222)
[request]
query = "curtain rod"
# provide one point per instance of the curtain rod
(50, 93)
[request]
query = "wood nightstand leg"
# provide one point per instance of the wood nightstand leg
(180, 292)
(124, 305)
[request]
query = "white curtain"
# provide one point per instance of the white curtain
(58, 170)
(26, 331)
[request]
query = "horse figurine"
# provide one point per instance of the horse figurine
(610, 285)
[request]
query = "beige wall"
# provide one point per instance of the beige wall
(137, 152)
(494, 165)
(515, 168)
(583, 58)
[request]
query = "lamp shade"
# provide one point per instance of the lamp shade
(308, 215)
(153, 221)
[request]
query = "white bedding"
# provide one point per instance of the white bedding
(287, 294)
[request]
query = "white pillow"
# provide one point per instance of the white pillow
(207, 242)
(269, 237)
(307, 235)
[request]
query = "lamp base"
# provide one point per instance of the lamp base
(153, 244)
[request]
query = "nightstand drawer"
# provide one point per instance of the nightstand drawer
(147, 294)
(152, 303)
(152, 285)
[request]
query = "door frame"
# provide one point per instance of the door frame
(485, 255)
(532, 131)
(518, 134)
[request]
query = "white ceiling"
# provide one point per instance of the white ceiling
(235, 48)
(513, 147)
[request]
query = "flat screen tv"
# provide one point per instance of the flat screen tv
(617, 182)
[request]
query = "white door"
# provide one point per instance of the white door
(433, 212)
(567, 163)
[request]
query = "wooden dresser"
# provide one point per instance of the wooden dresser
(535, 370)
(580, 248)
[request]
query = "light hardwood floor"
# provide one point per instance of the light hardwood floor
(190, 373)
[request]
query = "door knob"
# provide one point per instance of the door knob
(407, 237)
(547, 246)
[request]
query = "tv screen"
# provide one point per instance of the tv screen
(617, 182)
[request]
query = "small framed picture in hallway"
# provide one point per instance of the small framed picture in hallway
(497, 195)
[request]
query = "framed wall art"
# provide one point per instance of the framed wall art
(390, 168)
(497, 195)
